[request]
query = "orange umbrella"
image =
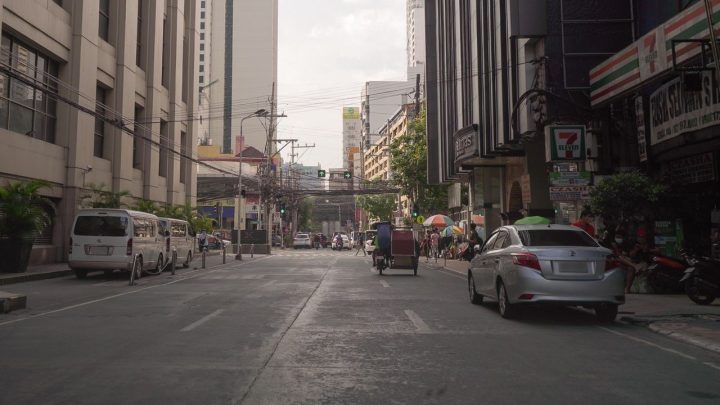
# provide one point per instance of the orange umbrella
(478, 219)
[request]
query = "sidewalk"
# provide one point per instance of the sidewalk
(672, 315)
(46, 271)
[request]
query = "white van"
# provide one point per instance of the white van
(108, 239)
(178, 238)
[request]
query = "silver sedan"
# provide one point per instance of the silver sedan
(550, 264)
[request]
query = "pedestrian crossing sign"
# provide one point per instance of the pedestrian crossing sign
(420, 219)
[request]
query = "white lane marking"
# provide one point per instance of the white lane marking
(201, 321)
(713, 365)
(420, 325)
(82, 304)
(649, 343)
(384, 283)
(268, 284)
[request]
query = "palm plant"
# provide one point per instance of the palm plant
(24, 213)
(148, 206)
(101, 197)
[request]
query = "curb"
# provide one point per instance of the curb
(23, 277)
(703, 343)
(11, 301)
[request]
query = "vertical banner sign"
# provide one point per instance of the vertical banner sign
(640, 124)
(565, 142)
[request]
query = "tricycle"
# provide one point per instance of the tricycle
(395, 248)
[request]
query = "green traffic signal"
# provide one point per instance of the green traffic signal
(321, 173)
(347, 175)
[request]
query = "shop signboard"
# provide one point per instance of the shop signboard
(565, 142)
(582, 178)
(674, 111)
(692, 169)
(640, 124)
(570, 193)
(465, 143)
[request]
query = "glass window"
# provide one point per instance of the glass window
(556, 237)
(178, 229)
(101, 226)
(498, 244)
(104, 22)
(24, 109)
(142, 228)
(139, 47)
(489, 243)
(137, 139)
(99, 146)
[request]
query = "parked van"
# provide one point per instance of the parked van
(108, 239)
(178, 238)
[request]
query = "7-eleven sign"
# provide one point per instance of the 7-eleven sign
(565, 142)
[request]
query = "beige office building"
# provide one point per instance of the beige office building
(131, 61)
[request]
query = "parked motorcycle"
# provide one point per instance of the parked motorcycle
(664, 274)
(702, 279)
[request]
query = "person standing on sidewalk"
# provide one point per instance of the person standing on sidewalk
(584, 223)
(434, 243)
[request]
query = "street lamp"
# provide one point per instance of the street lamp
(259, 113)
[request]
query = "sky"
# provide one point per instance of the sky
(327, 49)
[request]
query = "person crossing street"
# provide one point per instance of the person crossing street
(360, 244)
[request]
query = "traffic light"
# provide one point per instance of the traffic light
(347, 175)
(321, 173)
(282, 209)
(415, 210)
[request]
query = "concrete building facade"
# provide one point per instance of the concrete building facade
(351, 134)
(238, 69)
(131, 62)
(380, 101)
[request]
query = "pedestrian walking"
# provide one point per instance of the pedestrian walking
(434, 243)
(361, 244)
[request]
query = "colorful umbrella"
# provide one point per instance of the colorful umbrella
(451, 230)
(439, 221)
(532, 221)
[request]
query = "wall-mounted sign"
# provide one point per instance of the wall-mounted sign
(640, 124)
(674, 111)
(466, 143)
(692, 169)
(351, 113)
(582, 178)
(570, 193)
(565, 142)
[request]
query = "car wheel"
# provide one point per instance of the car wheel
(606, 312)
(158, 266)
(475, 298)
(81, 274)
(507, 310)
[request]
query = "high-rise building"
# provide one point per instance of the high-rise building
(128, 77)
(380, 101)
(238, 69)
(415, 38)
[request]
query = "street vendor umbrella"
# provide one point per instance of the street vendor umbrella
(439, 221)
(532, 221)
(451, 230)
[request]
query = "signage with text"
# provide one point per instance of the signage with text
(565, 142)
(582, 178)
(570, 193)
(465, 143)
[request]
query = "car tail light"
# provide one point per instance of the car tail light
(526, 296)
(70, 250)
(129, 247)
(526, 260)
(612, 262)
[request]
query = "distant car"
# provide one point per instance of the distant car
(276, 240)
(215, 242)
(546, 264)
(302, 240)
(345, 243)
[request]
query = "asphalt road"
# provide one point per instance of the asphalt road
(314, 327)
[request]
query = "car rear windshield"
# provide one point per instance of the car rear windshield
(302, 236)
(556, 237)
(101, 226)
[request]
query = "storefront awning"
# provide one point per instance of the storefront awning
(652, 56)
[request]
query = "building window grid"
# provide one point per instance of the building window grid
(99, 138)
(25, 109)
(139, 48)
(104, 20)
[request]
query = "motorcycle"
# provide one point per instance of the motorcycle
(701, 279)
(664, 274)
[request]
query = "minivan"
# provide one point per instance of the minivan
(178, 238)
(109, 239)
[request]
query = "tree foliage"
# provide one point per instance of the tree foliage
(23, 211)
(379, 207)
(101, 197)
(409, 168)
(624, 195)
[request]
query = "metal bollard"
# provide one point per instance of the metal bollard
(203, 258)
(224, 249)
(252, 250)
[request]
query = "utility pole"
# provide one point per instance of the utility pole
(417, 94)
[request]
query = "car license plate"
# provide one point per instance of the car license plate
(98, 250)
(571, 267)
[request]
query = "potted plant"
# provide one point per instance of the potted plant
(23, 214)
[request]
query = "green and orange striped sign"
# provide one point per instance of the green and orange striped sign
(652, 54)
